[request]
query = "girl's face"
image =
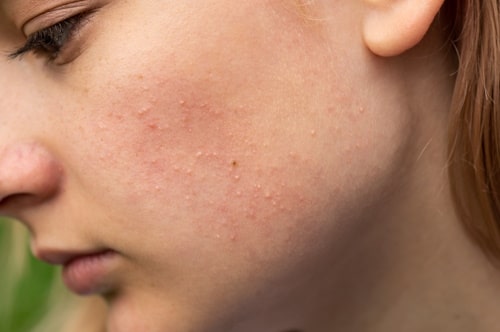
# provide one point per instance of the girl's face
(225, 151)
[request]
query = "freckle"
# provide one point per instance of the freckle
(234, 163)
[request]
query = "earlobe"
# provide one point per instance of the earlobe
(391, 27)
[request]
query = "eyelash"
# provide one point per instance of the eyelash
(50, 41)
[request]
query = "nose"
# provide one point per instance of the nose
(29, 176)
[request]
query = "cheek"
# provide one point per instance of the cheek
(176, 154)
(202, 142)
(213, 165)
(214, 144)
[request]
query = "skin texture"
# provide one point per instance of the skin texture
(237, 155)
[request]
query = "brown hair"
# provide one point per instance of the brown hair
(475, 121)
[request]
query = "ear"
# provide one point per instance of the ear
(391, 27)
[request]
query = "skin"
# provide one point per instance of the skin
(254, 170)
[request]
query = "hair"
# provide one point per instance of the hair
(475, 120)
(474, 148)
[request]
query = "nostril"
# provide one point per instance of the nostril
(6, 199)
(16, 201)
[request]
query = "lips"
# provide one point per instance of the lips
(84, 273)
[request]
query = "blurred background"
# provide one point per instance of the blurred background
(25, 284)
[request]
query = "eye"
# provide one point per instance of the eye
(49, 42)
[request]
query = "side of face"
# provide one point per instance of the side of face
(228, 152)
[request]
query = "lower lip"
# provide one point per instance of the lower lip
(86, 275)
